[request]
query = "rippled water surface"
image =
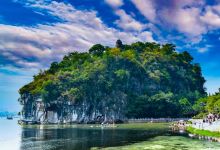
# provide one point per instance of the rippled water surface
(73, 137)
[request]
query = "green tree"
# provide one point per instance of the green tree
(97, 49)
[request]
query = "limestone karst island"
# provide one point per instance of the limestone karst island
(114, 84)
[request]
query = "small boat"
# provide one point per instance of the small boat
(27, 122)
(9, 117)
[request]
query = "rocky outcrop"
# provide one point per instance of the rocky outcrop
(37, 111)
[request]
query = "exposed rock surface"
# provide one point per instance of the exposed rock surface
(35, 110)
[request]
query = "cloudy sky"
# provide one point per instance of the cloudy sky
(35, 33)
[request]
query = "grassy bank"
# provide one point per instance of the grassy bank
(203, 132)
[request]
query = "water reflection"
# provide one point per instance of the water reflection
(15, 137)
(75, 138)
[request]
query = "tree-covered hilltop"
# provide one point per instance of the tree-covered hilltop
(208, 104)
(126, 81)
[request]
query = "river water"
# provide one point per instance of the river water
(73, 137)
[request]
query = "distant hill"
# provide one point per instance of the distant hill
(6, 113)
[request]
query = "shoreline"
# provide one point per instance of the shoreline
(130, 126)
(200, 128)
(142, 125)
(131, 120)
(202, 132)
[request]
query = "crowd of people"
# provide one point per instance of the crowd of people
(210, 118)
(207, 123)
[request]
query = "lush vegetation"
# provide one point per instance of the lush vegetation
(208, 104)
(203, 132)
(149, 79)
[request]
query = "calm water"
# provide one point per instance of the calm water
(15, 137)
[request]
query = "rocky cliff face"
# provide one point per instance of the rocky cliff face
(35, 110)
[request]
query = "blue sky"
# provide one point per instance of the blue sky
(35, 33)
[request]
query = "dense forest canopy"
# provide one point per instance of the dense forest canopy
(137, 80)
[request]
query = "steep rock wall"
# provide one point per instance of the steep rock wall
(34, 109)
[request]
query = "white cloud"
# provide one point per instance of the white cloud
(126, 22)
(146, 36)
(211, 18)
(146, 8)
(185, 20)
(192, 18)
(26, 72)
(204, 49)
(36, 46)
(114, 3)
